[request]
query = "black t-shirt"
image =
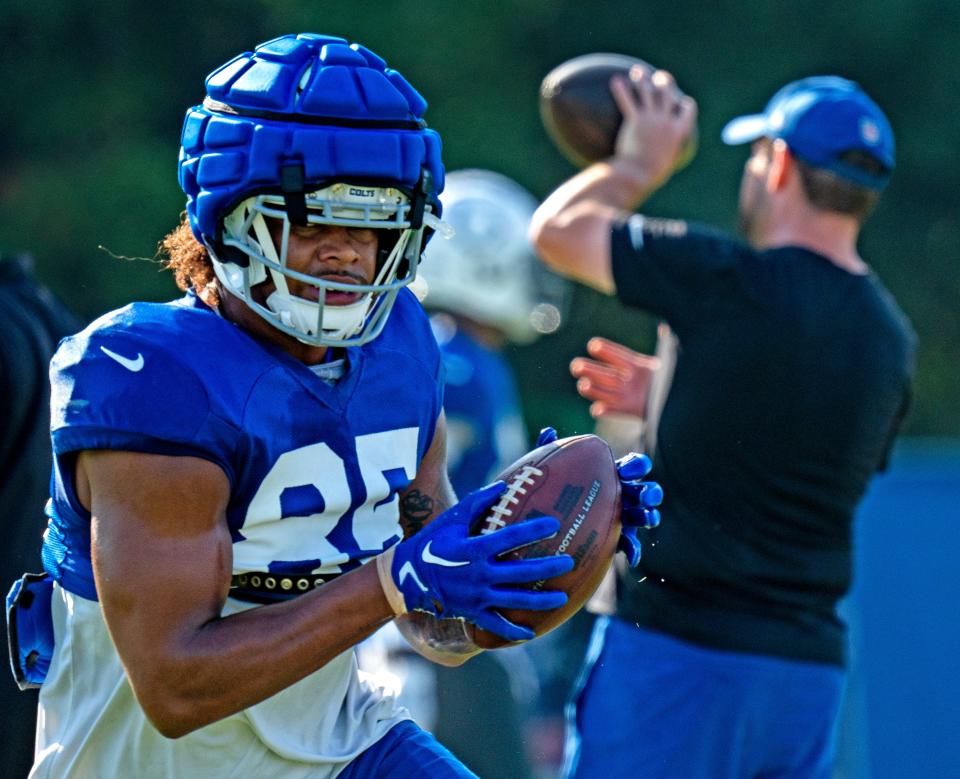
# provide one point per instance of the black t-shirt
(791, 380)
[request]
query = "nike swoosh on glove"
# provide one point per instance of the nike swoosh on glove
(639, 498)
(445, 571)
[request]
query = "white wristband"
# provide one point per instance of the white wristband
(393, 595)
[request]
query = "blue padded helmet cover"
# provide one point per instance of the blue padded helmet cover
(317, 101)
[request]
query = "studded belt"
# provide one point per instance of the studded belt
(265, 587)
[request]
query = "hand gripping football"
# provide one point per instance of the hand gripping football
(579, 112)
(575, 480)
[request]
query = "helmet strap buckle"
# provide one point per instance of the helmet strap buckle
(418, 202)
(292, 188)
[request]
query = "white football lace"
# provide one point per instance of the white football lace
(502, 509)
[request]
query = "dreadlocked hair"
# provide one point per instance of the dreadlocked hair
(189, 261)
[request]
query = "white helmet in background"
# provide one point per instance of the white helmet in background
(487, 271)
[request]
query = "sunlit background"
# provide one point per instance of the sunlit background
(94, 94)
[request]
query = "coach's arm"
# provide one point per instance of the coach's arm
(571, 228)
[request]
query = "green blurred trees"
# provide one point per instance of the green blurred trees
(95, 93)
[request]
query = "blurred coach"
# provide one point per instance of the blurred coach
(725, 656)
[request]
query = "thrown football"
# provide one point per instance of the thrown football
(575, 480)
(579, 112)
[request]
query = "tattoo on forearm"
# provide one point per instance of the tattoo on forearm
(416, 509)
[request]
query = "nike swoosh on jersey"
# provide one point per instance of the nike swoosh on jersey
(407, 570)
(134, 364)
(428, 557)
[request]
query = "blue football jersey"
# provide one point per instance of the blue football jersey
(485, 430)
(315, 468)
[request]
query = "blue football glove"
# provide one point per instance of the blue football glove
(639, 498)
(445, 571)
(547, 436)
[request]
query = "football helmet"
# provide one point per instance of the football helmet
(309, 129)
(487, 270)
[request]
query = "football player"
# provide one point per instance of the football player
(225, 464)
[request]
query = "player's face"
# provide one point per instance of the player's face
(332, 252)
(753, 207)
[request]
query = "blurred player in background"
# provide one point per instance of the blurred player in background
(725, 657)
(485, 289)
(33, 322)
(226, 463)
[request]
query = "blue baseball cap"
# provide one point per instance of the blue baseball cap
(819, 118)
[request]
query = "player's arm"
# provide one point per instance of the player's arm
(162, 558)
(442, 641)
(430, 493)
(162, 561)
(571, 228)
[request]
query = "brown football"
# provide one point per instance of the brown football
(579, 112)
(575, 480)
